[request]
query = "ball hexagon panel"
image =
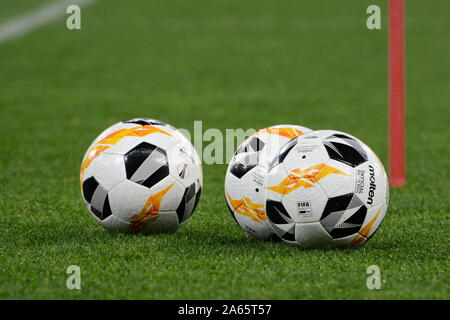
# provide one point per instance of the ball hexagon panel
(305, 203)
(128, 199)
(343, 215)
(141, 207)
(242, 163)
(166, 195)
(335, 178)
(109, 170)
(277, 213)
(312, 235)
(345, 149)
(372, 221)
(146, 164)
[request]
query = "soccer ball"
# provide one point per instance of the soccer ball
(326, 189)
(141, 176)
(244, 190)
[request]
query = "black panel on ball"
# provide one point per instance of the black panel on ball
(136, 156)
(145, 121)
(146, 164)
(157, 176)
(345, 149)
(344, 153)
(239, 169)
(188, 202)
(358, 217)
(277, 213)
(288, 236)
(96, 212)
(89, 187)
(335, 204)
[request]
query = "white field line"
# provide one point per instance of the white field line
(23, 24)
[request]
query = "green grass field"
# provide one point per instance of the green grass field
(231, 64)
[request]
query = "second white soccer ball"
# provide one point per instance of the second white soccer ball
(326, 189)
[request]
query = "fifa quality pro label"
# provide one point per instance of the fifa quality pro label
(304, 209)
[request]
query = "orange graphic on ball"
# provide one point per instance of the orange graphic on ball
(363, 234)
(113, 139)
(305, 178)
(149, 212)
(286, 132)
(248, 208)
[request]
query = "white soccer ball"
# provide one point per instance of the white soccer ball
(244, 190)
(141, 176)
(326, 189)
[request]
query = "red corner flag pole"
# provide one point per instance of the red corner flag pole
(396, 94)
